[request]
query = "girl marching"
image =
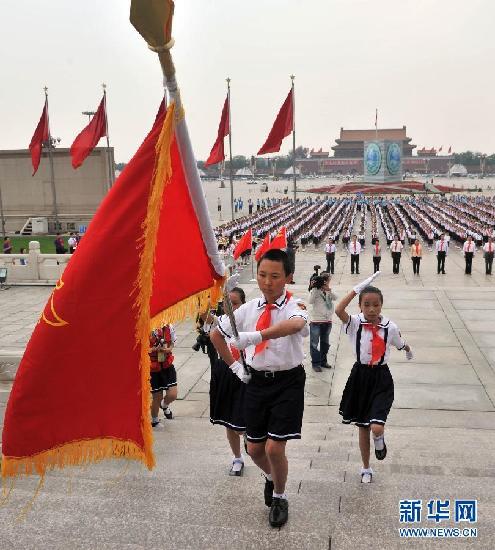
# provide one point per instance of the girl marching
(369, 391)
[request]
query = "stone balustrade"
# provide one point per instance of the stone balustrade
(37, 268)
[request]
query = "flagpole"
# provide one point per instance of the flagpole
(292, 77)
(376, 124)
(111, 175)
(2, 214)
(52, 170)
(230, 153)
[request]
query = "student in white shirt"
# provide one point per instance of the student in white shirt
(271, 331)
(442, 248)
(469, 249)
(488, 251)
(396, 250)
(355, 250)
(330, 249)
(369, 391)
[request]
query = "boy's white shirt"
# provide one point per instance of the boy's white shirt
(283, 353)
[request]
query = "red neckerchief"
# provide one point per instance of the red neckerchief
(265, 320)
(377, 343)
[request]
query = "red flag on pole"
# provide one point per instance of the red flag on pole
(217, 153)
(87, 140)
(280, 239)
(245, 243)
(104, 294)
(264, 247)
(40, 135)
(282, 127)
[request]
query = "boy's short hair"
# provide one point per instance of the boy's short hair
(277, 255)
(370, 290)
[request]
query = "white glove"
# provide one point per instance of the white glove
(409, 354)
(232, 282)
(246, 339)
(357, 289)
(239, 371)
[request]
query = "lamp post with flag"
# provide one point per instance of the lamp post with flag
(282, 127)
(292, 77)
(52, 169)
(231, 176)
(111, 168)
(1, 214)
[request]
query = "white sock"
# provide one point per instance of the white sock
(379, 442)
(280, 495)
(269, 477)
(154, 419)
(366, 471)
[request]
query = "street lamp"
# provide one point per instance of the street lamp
(89, 114)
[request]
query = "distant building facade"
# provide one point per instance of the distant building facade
(79, 192)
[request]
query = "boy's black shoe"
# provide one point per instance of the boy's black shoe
(380, 455)
(268, 492)
(279, 512)
(168, 413)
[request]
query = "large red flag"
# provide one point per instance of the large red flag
(280, 239)
(245, 243)
(88, 355)
(89, 137)
(40, 135)
(282, 127)
(264, 247)
(217, 153)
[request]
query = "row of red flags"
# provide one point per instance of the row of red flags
(82, 146)
(246, 243)
(282, 127)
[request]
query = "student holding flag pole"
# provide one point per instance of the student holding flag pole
(270, 329)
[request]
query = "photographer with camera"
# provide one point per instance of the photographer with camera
(321, 300)
(163, 376)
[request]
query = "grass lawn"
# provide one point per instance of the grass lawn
(46, 243)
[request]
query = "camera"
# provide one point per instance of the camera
(201, 342)
(318, 282)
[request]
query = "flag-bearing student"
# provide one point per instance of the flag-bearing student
(369, 391)
(271, 331)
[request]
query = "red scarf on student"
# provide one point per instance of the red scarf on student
(265, 320)
(377, 343)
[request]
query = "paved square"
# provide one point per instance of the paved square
(440, 436)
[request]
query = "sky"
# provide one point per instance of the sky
(426, 64)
